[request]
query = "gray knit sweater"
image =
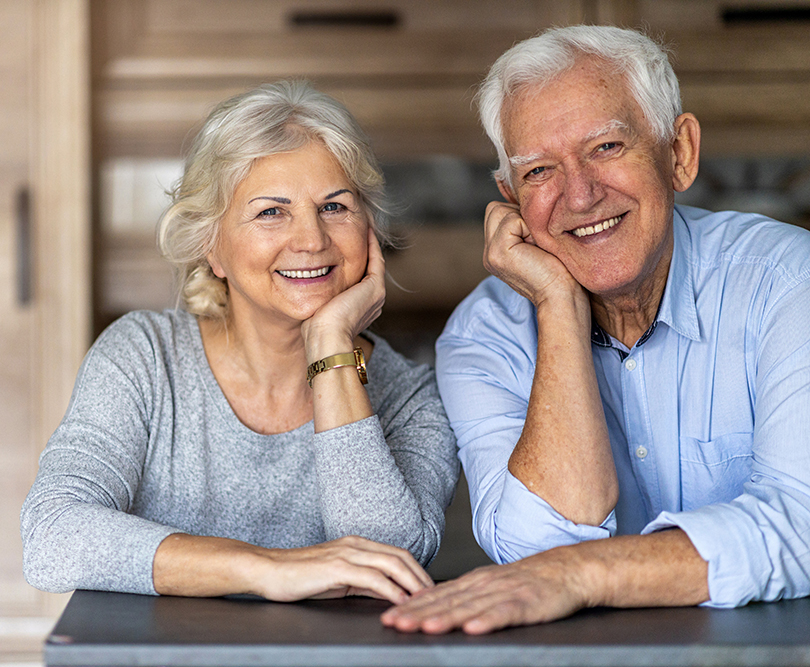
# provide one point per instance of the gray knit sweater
(150, 446)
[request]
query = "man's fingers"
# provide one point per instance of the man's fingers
(482, 613)
(487, 599)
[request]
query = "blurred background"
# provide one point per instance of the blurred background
(99, 99)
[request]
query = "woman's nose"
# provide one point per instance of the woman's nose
(309, 232)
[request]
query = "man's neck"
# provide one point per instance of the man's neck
(627, 317)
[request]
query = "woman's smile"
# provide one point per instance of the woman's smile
(309, 275)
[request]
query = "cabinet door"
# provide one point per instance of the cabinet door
(18, 340)
(44, 226)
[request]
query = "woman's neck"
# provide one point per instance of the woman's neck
(261, 369)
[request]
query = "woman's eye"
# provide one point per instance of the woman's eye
(269, 212)
(333, 207)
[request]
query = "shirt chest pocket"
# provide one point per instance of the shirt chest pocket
(714, 471)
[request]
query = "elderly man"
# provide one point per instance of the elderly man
(635, 371)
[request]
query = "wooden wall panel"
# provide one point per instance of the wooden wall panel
(159, 66)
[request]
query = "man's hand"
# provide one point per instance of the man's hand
(533, 590)
(511, 254)
(661, 569)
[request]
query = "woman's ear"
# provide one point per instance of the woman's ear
(685, 151)
(216, 267)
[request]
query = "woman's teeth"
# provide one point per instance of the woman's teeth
(316, 273)
(602, 226)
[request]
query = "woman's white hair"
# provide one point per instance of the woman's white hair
(272, 118)
(539, 60)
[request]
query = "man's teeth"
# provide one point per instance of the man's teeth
(602, 226)
(316, 273)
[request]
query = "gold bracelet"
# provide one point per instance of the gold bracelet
(355, 358)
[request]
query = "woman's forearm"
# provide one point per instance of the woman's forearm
(195, 566)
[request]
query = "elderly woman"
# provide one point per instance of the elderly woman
(259, 441)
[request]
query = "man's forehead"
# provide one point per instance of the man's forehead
(569, 109)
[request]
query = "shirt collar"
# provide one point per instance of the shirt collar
(677, 308)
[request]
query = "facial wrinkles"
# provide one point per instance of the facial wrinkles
(610, 126)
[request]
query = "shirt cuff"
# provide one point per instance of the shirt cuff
(525, 524)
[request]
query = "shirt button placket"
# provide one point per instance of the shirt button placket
(630, 365)
(638, 429)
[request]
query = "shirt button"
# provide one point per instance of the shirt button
(641, 452)
(630, 364)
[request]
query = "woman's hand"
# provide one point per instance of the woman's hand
(334, 326)
(209, 566)
(347, 566)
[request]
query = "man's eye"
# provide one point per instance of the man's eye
(608, 146)
(536, 171)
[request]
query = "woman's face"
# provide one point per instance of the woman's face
(295, 236)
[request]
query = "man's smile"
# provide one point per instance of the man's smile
(599, 227)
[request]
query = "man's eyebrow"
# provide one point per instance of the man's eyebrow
(520, 160)
(608, 127)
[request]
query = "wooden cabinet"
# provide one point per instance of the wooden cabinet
(44, 245)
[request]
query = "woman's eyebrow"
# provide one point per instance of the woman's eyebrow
(280, 200)
(338, 192)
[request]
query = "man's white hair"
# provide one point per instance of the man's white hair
(536, 61)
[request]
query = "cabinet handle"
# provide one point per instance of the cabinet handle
(24, 259)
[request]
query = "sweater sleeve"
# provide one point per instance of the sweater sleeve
(390, 477)
(75, 525)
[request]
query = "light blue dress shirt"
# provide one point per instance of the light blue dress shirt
(708, 414)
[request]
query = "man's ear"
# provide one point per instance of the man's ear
(506, 191)
(685, 151)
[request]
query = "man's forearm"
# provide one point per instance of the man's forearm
(660, 569)
(564, 454)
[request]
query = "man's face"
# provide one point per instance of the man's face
(594, 186)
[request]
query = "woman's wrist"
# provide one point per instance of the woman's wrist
(320, 347)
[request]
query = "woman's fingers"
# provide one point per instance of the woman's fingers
(348, 566)
(376, 261)
(353, 310)
(397, 564)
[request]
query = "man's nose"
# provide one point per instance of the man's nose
(308, 232)
(583, 188)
